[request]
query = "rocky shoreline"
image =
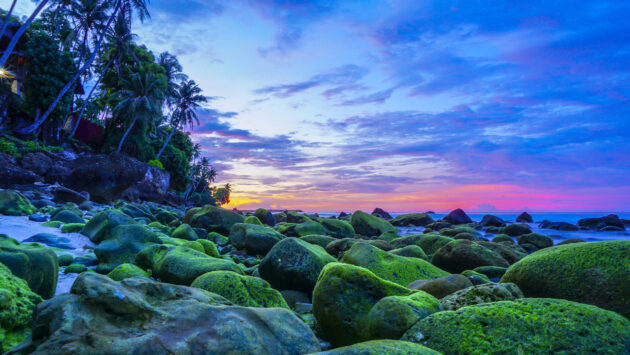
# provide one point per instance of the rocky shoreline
(87, 277)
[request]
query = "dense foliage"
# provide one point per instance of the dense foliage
(79, 61)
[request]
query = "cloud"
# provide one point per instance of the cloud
(377, 98)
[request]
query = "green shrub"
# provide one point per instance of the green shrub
(8, 147)
(156, 163)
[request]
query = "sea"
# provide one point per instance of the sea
(557, 236)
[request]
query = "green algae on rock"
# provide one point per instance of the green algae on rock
(412, 219)
(180, 265)
(410, 251)
(184, 231)
(399, 269)
(13, 203)
(125, 271)
(254, 238)
(253, 220)
(596, 273)
(442, 286)
(462, 254)
(343, 297)
(246, 291)
(294, 264)
(368, 225)
(309, 228)
(392, 316)
(122, 245)
(430, 243)
(75, 269)
(478, 294)
(381, 347)
(524, 326)
(72, 227)
(36, 264)
(212, 219)
(99, 227)
(338, 228)
(17, 303)
(321, 240)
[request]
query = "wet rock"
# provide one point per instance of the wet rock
(253, 238)
(368, 225)
(101, 225)
(460, 255)
(524, 218)
(265, 216)
(126, 271)
(241, 290)
(13, 203)
(186, 232)
(212, 219)
(485, 293)
(492, 221)
(562, 226)
(34, 263)
(380, 213)
(514, 230)
(457, 216)
(412, 219)
(392, 316)
(539, 240)
(441, 286)
(381, 347)
(122, 246)
(338, 228)
(50, 240)
(63, 194)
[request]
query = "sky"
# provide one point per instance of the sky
(408, 105)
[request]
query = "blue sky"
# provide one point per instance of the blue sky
(409, 105)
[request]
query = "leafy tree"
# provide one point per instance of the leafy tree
(222, 195)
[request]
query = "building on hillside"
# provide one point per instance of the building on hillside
(14, 67)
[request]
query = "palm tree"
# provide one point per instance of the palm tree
(187, 100)
(18, 34)
(120, 39)
(126, 7)
(139, 100)
(90, 16)
(174, 75)
(7, 19)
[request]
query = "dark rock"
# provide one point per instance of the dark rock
(50, 240)
(539, 240)
(457, 216)
(67, 216)
(265, 216)
(602, 222)
(37, 217)
(212, 219)
(441, 286)
(492, 221)
(514, 230)
(368, 225)
(140, 316)
(563, 226)
(122, 245)
(101, 225)
(460, 255)
(478, 294)
(63, 194)
(571, 241)
(12, 174)
(13, 203)
(493, 272)
(254, 238)
(379, 212)
(39, 203)
(524, 218)
(412, 219)
(37, 162)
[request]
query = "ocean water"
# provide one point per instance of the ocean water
(557, 236)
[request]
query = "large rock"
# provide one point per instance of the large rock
(399, 269)
(338, 228)
(12, 174)
(381, 213)
(601, 223)
(34, 263)
(514, 230)
(562, 226)
(126, 271)
(181, 265)
(392, 316)
(430, 243)
(442, 286)
(412, 219)
(140, 316)
(538, 240)
(103, 223)
(343, 297)
(381, 347)
(524, 218)
(186, 232)
(492, 221)
(524, 326)
(67, 216)
(294, 264)
(13, 203)
(368, 225)
(479, 294)
(213, 219)
(457, 216)
(462, 254)
(253, 238)
(595, 273)
(122, 246)
(246, 291)
(17, 303)
(37, 162)
(309, 228)
(63, 194)
(265, 216)
(109, 177)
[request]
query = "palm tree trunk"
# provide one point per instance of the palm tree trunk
(8, 19)
(126, 134)
(87, 100)
(166, 143)
(18, 34)
(87, 64)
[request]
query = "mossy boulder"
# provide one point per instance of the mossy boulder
(212, 219)
(17, 303)
(368, 225)
(180, 265)
(13, 203)
(502, 238)
(185, 231)
(410, 251)
(392, 316)
(246, 291)
(34, 263)
(265, 217)
(442, 286)
(399, 269)
(72, 227)
(430, 242)
(75, 269)
(125, 271)
(321, 240)
(101, 225)
(463, 254)
(412, 219)
(309, 228)
(166, 217)
(123, 244)
(295, 217)
(294, 264)
(478, 294)
(596, 273)
(493, 272)
(381, 347)
(253, 238)
(516, 229)
(524, 326)
(65, 260)
(194, 245)
(141, 316)
(338, 228)
(66, 216)
(539, 240)
(338, 247)
(389, 236)
(209, 248)
(343, 297)
(52, 224)
(476, 278)
(253, 220)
